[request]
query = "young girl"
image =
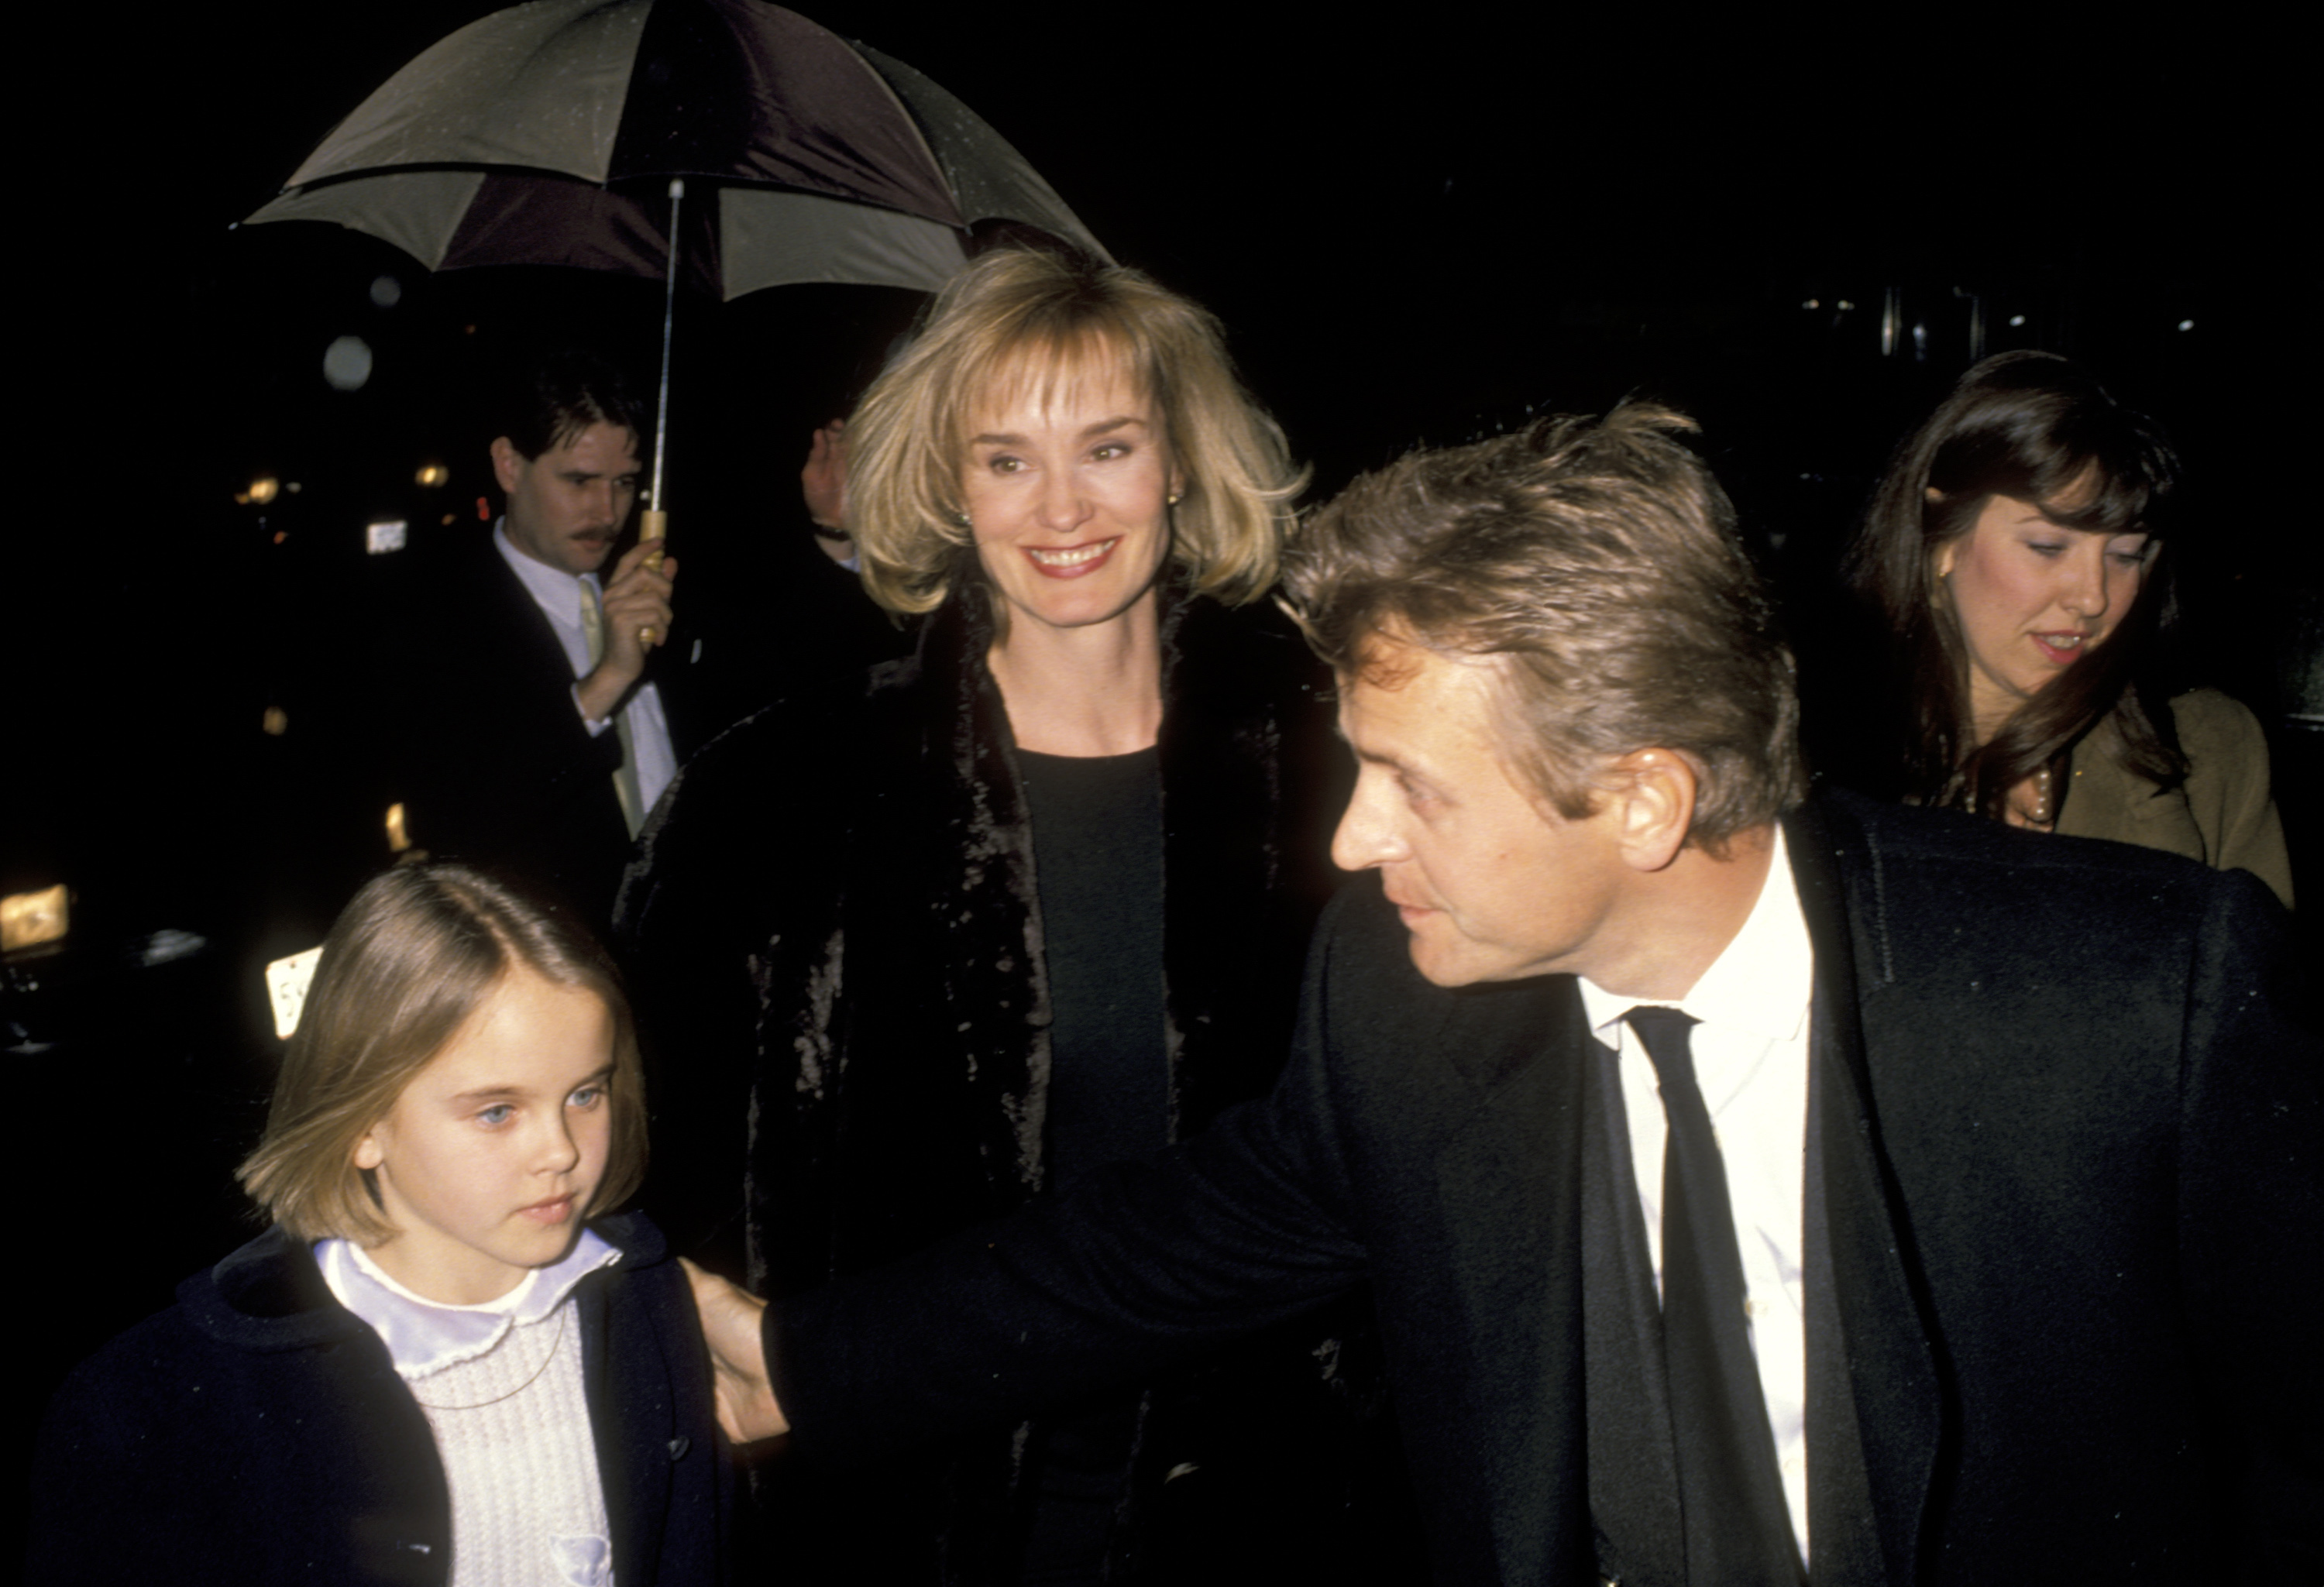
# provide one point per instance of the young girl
(432, 1368)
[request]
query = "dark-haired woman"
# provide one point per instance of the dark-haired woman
(2016, 552)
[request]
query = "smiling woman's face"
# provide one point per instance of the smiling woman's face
(1066, 490)
(2032, 597)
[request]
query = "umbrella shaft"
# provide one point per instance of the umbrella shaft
(669, 319)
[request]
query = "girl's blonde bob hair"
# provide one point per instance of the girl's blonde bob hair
(1018, 324)
(408, 964)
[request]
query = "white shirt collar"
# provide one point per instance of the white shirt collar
(425, 1336)
(557, 591)
(1762, 982)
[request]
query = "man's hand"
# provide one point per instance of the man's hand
(823, 481)
(738, 1357)
(637, 598)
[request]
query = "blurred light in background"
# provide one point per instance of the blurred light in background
(384, 535)
(386, 292)
(2017, 319)
(165, 945)
(263, 490)
(276, 722)
(346, 364)
(432, 474)
(27, 920)
(2186, 325)
(287, 981)
(398, 840)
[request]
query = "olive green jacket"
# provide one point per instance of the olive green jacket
(2222, 815)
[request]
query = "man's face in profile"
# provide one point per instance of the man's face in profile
(1491, 884)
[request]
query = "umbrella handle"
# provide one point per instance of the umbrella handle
(653, 528)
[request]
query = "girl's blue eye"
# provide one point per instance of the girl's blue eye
(588, 1096)
(498, 1113)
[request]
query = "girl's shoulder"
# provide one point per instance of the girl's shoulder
(256, 1382)
(266, 1295)
(645, 1253)
(647, 1278)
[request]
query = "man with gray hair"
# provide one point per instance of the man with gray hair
(1750, 1186)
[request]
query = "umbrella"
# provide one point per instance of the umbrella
(561, 133)
(546, 134)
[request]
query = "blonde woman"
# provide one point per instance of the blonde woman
(1029, 902)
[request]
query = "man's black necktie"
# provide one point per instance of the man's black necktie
(1738, 1528)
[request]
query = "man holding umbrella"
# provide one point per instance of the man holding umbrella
(537, 723)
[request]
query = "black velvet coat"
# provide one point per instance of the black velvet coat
(256, 1433)
(834, 935)
(2063, 1214)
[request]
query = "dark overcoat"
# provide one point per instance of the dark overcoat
(257, 1432)
(2064, 1209)
(490, 758)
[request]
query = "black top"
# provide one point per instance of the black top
(1097, 861)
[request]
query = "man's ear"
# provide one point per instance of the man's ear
(508, 464)
(1652, 792)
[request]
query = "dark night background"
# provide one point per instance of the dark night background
(1415, 229)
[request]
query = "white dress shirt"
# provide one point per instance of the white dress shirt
(558, 593)
(1751, 1062)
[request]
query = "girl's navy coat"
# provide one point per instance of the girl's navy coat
(256, 1433)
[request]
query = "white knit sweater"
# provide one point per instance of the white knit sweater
(501, 1385)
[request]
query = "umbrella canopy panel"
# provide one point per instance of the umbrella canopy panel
(547, 133)
(540, 84)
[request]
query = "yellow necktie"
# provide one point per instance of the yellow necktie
(625, 779)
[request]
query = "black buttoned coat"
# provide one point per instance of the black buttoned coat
(257, 1432)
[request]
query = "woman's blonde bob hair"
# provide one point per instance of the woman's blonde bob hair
(1018, 323)
(408, 964)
